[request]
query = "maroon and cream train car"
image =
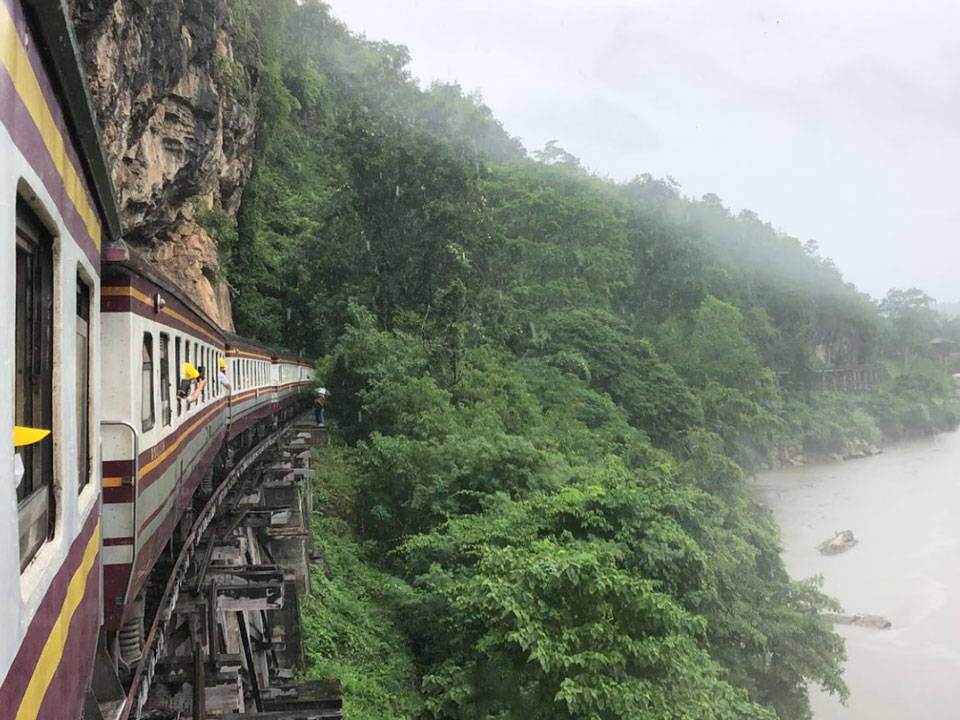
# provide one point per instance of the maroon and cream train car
(252, 396)
(157, 446)
(56, 209)
(293, 378)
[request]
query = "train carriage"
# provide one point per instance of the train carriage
(253, 395)
(293, 378)
(56, 209)
(157, 446)
(112, 433)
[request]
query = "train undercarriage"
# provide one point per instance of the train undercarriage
(216, 630)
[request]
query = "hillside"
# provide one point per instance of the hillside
(546, 391)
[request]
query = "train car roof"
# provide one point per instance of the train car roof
(250, 348)
(138, 266)
(255, 346)
(50, 19)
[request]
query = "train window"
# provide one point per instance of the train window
(83, 383)
(176, 369)
(166, 412)
(33, 406)
(147, 415)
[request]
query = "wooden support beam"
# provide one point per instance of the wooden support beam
(261, 596)
(199, 681)
(251, 668)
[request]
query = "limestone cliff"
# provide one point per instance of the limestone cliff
(171, 83)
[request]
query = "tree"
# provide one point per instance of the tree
(913, 319)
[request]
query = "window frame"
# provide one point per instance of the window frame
(176, 345)
(37, 344)
(166, 412)
(146, 354)
(83, 367)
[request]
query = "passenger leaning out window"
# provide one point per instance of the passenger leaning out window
(223, 375)
(192, 382)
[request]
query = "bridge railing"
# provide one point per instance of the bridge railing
(855, 379)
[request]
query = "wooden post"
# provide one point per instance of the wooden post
(199, 679)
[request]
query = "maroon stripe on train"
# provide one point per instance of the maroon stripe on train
(247, 421)
(125, 304)
(114, 586)
(16, 118)
(183, 435)
(113, 541)
(124, 468)
(123, 277)
(217, 442)
(114, 495)
(235, 344)
(117, 468)
(30, 44)
(80, 234)
(18, 676)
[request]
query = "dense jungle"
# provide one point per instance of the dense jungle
(547, 392)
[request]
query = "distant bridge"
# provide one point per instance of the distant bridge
(858, 378)
(853, 379)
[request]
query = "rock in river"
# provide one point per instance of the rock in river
(868, 621)
(841, 541)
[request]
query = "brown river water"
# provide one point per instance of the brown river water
(904, 507)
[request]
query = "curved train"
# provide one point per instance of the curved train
(94, 348)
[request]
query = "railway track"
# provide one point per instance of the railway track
(224, 639)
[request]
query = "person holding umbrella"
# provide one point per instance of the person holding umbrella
(319, 405)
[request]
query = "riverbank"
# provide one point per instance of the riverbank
(901, 506)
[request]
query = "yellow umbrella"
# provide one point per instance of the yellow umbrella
(27, 435)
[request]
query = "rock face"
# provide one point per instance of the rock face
(163, 74)
(842, 541)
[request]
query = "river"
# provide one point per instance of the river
(904, 507)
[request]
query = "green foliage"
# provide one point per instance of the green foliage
(561, 566)
(349, 632)
(546, 387)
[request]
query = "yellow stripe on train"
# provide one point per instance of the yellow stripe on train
(13, 56)
(52, 653)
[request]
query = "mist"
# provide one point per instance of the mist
(834, 123)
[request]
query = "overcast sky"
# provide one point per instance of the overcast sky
(837, 121)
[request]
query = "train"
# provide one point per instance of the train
(125, 400)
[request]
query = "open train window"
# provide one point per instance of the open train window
(147, 414)
(83, 383)
(177, 371)
(33, 406)
(166, 412)
(186, 359)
